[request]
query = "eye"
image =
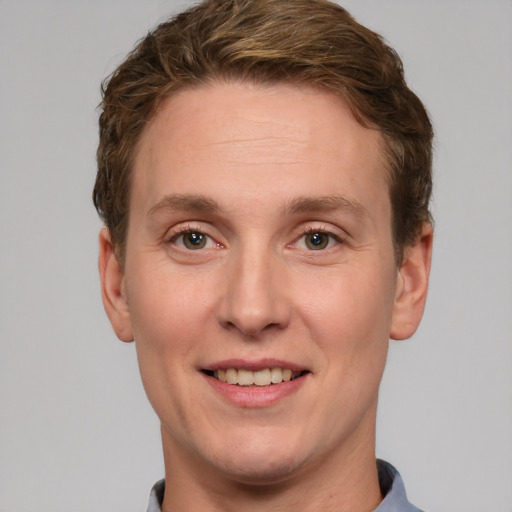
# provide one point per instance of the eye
(193, 240)
(317, 240)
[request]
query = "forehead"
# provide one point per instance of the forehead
(253, 137)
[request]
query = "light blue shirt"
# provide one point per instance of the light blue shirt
(391, 485)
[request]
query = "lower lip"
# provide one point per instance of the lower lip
(255, 396)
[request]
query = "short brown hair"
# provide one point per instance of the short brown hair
(305, 42)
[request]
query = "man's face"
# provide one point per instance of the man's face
(259, 246)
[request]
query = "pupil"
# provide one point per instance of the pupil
(194, 240)
(317, 241)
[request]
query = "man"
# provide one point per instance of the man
(264, 176)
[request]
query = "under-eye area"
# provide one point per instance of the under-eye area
(263, 377)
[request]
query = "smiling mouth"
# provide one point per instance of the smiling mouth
(264, 377)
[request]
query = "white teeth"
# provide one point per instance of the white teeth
(276, 375)
(245, 378)
(287, 374)
(232, 376)
(264, 377)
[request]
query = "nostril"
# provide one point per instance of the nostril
(252, 330)
(273, 325)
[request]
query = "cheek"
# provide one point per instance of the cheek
(350, 304)
(167, 319)
(164, 302)
(349, 318)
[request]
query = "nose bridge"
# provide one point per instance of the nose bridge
(254, 297)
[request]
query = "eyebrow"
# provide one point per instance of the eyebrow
(307, 204)
(303, 204)
(185, 202)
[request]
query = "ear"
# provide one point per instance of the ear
(412, 286)
(113, 288)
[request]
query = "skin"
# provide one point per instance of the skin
(261, 172)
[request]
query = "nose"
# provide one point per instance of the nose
(254, 295)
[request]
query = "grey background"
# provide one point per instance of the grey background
(76, 433)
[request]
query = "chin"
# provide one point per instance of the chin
(261, 472)
(260, 461)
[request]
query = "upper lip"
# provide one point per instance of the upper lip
(255, 365)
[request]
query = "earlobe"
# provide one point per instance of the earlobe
(412, 286)
(113, 290)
